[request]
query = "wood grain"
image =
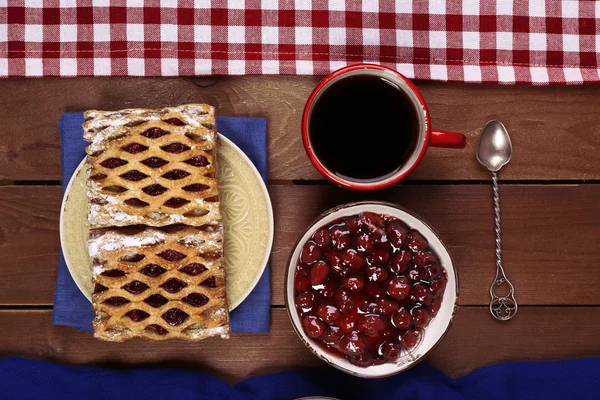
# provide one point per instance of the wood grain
(551, 236)
(555, 130)
(474, 340)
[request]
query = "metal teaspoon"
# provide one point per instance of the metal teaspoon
(494, 151)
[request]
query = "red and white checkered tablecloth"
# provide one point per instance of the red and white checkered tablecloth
(507, 41)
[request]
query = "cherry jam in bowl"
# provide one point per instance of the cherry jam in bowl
(371, 288)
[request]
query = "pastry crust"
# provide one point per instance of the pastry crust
(142, 274)
(153, 167)
(156, 237)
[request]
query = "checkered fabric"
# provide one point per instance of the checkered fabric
(507, 41)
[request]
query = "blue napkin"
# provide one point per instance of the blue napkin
(32, 379)
(70, 305)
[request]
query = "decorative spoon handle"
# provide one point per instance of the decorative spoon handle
(502, 307)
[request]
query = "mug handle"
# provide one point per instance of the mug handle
(447, 139)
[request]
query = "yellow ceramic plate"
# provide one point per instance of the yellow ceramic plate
(247, 219)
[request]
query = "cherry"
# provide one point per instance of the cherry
(400, 261)
(362, 303)
(437, 286)
(327, 290)
(402, 319)
(416, 241)
(197, 161)
(344, 300)
(353, 344)
(374, 290)
(171, 255)
(135, 287)
(410, 338)
(421, 294)
(303, 269)
(379, 256)
(424, 258)
(173, 285)
(396, 234)
(210, 282)
(175, 148)
(354, 283)
(176, 202)
(435, 306)
(195, 299)
(98, 288)
(176, 174)
(111, 163)
(353, 259)
(413, 275)
(193, 269)
(386, 307)
(134, 148)
(134, 175)
(430, 272)
(154, 190)
(364, 243)
(153, 270)
(154, 162)
(347, 322)
(327, 313)
(376, 274)
(353, 224)
(420, 317)
(332, 334)
(116, 301)
(399, 288)
(322, 238)
(156, 300)
(306, 300)
(195, 187)
(371, 325)
(159, 330)
(311, 253)
(336, 264)
(175, 316)
(319, 273)
(372, 222)
(174, 121)
(137, 315)
(390, 350)
(313, 326)
(363, 360)
(113, 273)
(154, 133)
(340, 238)
(302, 283)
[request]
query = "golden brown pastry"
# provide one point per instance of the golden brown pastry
(159, 283)
(152, 167)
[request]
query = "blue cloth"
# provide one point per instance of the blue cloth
(32, 379)
(70, 305)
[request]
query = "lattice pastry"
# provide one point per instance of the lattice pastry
(152, 167)
(159, 283)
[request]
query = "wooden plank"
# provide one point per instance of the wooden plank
(555, 130)
(474, 340)
(551, 236)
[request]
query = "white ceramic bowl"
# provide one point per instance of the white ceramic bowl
(433, 333)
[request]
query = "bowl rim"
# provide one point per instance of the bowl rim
(289, 268)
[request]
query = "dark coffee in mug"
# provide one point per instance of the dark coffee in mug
(363, 128)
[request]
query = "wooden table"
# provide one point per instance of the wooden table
(551, 218)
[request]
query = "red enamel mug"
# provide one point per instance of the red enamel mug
(426, 136)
